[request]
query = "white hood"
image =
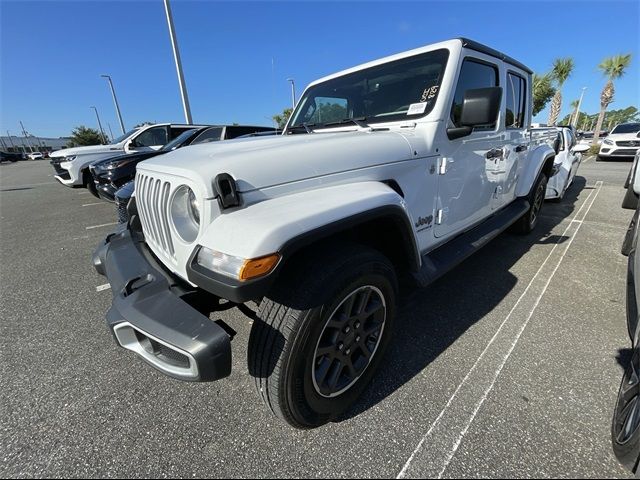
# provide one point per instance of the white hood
(257, 163)
(623, 136)
(66, 152)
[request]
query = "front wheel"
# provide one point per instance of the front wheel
(529, 220)
(322, 333)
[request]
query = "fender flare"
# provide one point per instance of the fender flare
(293, 222)
(536, 162)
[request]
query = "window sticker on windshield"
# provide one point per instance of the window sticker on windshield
(429, 93)
(417, 108)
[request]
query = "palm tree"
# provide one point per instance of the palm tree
(542, 91)
(613, 68)
(562, 69)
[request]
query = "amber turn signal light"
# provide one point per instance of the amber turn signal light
(258, 267)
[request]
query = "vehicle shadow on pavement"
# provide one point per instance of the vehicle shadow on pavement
(429, 322)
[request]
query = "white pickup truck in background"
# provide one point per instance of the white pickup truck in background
(401, 167)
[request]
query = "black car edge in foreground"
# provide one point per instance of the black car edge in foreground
(625, 428)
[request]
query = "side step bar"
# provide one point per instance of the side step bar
(439, 261)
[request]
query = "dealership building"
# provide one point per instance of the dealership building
(32, 144)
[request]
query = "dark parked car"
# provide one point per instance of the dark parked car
(11, 156)
(111, 174)
(625, 428)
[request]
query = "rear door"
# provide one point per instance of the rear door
(516, 145)
(468, 183)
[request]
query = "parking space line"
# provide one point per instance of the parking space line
(96, 203)
(83, 193)
(101, 288)
(431, 459)
(103, 225)
(28, 185)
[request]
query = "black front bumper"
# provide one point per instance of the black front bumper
(150, 316)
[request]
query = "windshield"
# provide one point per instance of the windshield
(123, 137)
(179, 140)
(399, 90)
(627, 128)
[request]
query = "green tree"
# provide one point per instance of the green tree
(282, 118)
(613, 68)
(562, 68)
(543, 91)
(83, 136)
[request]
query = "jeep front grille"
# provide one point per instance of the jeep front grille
(152, 198)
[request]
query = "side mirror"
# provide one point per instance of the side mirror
(480, 106)
(133, 144)
(557, 143)
(581, 148)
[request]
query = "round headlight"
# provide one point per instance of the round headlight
(194, 208)
(185, 214)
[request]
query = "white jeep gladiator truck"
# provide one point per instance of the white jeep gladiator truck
(403, 166)
(71, 165)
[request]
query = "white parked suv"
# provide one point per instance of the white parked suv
(72, 164)
(566, 163)
(403, 166)
(623, 141)
(35, 156)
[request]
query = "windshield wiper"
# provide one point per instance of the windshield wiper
(306, 126)
(359, 121)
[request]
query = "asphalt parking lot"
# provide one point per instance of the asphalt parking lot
(506, 367)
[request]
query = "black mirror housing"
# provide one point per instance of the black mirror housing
(481, 106)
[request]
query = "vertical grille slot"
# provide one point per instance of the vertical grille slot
(153, 199)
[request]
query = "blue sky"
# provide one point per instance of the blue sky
(238, 55)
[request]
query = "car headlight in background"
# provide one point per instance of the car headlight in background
(608, 142)
(70, 158)
(235, 267)
(185, 214)
(105, 167)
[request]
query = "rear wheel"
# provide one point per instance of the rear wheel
(529, 220)
(322, 333)
(625, 428)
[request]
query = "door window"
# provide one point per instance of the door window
(212, 134)
(473, 74)
(516, 96)
(153, 137)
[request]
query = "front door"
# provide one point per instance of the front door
(469, 174)
(149, 140)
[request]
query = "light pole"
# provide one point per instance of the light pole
(110, 131)
(575, 120)
(24, 132)
(104, 139)
(176, 56)
(115, 101)
(10, 140)
(293, 92)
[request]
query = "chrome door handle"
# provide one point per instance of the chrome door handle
(494, 153)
